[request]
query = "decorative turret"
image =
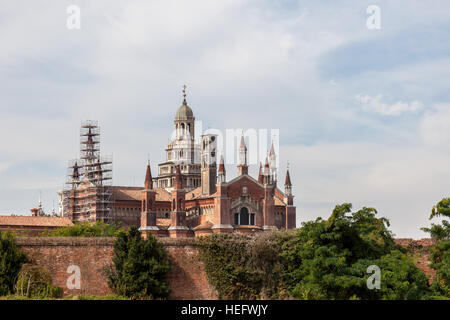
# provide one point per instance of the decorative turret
(222, 203)
(178, 226)
(288, 184)
(148, 184)
(290, 213)
(266, 172)
(242, 166)
(260, 175)
(273, 165)
(221, 177)
(148, 206)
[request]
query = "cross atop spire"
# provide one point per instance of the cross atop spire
(184, 94)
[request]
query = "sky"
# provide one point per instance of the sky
(363, 114)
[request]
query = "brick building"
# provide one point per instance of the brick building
(199, 200)
(190, 195)
(26, 225)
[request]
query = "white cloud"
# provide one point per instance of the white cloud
(375, 104)
(435, 126)
(4, 165)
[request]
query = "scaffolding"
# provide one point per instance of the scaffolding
(88, 194)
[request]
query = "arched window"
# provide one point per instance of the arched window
(244, 217)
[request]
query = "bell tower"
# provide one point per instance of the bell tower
(209, 164)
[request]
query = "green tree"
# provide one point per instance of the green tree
(329, 258)
(440, 251)
(36, 282)
(11, 260)
(139, 267)
(86, 229)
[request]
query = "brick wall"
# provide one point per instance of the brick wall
(420, 253)
(187, 277)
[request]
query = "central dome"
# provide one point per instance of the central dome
(184, 112)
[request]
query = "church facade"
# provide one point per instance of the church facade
(198, 198)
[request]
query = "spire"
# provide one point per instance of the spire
(266, 172)
(148, 178)
(266, 167)
(272, 151)
(40, 200)
(287, 182)
(242, 145)
(221, 165)
(273, 164)
(260, 175)
(221, 176)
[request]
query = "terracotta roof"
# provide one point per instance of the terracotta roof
(162, 194)
(127, 193)
(135, 193)
(34, 221)
(207, 225)
(194, 194)
(279, 202)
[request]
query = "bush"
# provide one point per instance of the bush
(85, 229)
(139, 268)
(36, 282)
(226, 262)
(245, 267)
(11, 260)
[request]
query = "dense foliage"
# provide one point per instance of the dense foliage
(11, 260)
(242, 267)
(440, 252)
(139, 267)
(85, 229)
(36, 282)
(324, 259)
(330, 257)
